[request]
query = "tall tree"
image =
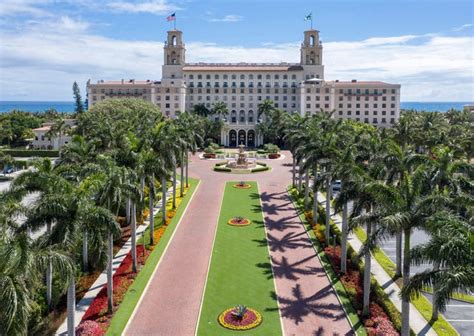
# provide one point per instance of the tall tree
(79, 108)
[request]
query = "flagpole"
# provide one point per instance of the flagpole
(175, 22)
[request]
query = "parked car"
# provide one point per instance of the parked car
(336, 186)
(8, 170)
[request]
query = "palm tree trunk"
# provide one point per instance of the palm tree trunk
(306, 189)
(71, 307)
(315, 199)
(85, 252)
(367, 267)
(300, 177)
(398, 254)
(151, 203)
(406, 278)
(127, 210)
(174, 187)
(110, 283)
(344, 239)
(187, 170)
(293, 172)
(133, 223)
(49, 274)
(163, 200)
(328, 209)
(435, 314)
(181, 186)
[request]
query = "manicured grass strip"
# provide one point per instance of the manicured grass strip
(235, 274)
(336, 283)
(122, 315)
(421, 303)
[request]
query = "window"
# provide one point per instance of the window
(308, 106)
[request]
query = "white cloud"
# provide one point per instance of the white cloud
(228, 18)
(41, 62)
(157, 7)
(22, 7)
(464, 26)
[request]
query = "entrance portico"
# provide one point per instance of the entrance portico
(236, 136)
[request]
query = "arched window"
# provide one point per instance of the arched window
(173, 40)
(250, 116)
(173, 58)
(233, 116)
(311, 40)
(242, 116)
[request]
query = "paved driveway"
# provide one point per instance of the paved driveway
(172, 302)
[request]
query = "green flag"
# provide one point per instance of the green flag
(308, 17)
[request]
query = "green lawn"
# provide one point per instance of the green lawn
(234, 275)
(135, 291)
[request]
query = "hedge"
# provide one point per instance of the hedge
(222, 169)
(31, 153)
(259, 169)
(261, 163)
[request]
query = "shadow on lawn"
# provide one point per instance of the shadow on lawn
(283, 269)
(299, 306)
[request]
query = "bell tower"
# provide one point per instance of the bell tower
(311, 48)
(174, 48)
(312, 55)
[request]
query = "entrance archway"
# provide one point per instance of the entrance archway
(232, 138)
(242, 138)
(251, 138)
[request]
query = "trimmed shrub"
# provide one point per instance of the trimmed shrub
(261, 163)
(259, 169)
(271, 148)
(222, 169)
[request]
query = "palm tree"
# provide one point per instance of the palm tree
(115, 185)
(23, 263)
(51, 188)
(453, 270)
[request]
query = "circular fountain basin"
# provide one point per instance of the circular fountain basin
(247, 168)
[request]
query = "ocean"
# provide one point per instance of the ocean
(68, 107)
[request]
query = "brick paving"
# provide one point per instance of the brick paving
(307, 302)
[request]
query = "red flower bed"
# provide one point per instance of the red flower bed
(122, 279)
(96, 319)
(250, 319)
(378, 322)
(209, 156)
(274, 156)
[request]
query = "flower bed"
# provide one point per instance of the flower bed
(96, 319)
(237, 221)
(209, 155)
(378, 322)
(274, 155)
(242, 185)
(250, 320)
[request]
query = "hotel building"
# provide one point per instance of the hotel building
(293, 87)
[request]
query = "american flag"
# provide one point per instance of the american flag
(172, 17)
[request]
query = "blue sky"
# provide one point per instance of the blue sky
(427, 46)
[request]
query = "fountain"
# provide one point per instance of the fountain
(241, 164)
(242, 161)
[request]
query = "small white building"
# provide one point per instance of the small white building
(42, 139)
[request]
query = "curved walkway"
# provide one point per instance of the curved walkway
(307, 303)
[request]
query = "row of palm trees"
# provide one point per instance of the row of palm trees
(121, 150)
(414, 176)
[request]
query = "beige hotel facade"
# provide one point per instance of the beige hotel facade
(293, 87)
